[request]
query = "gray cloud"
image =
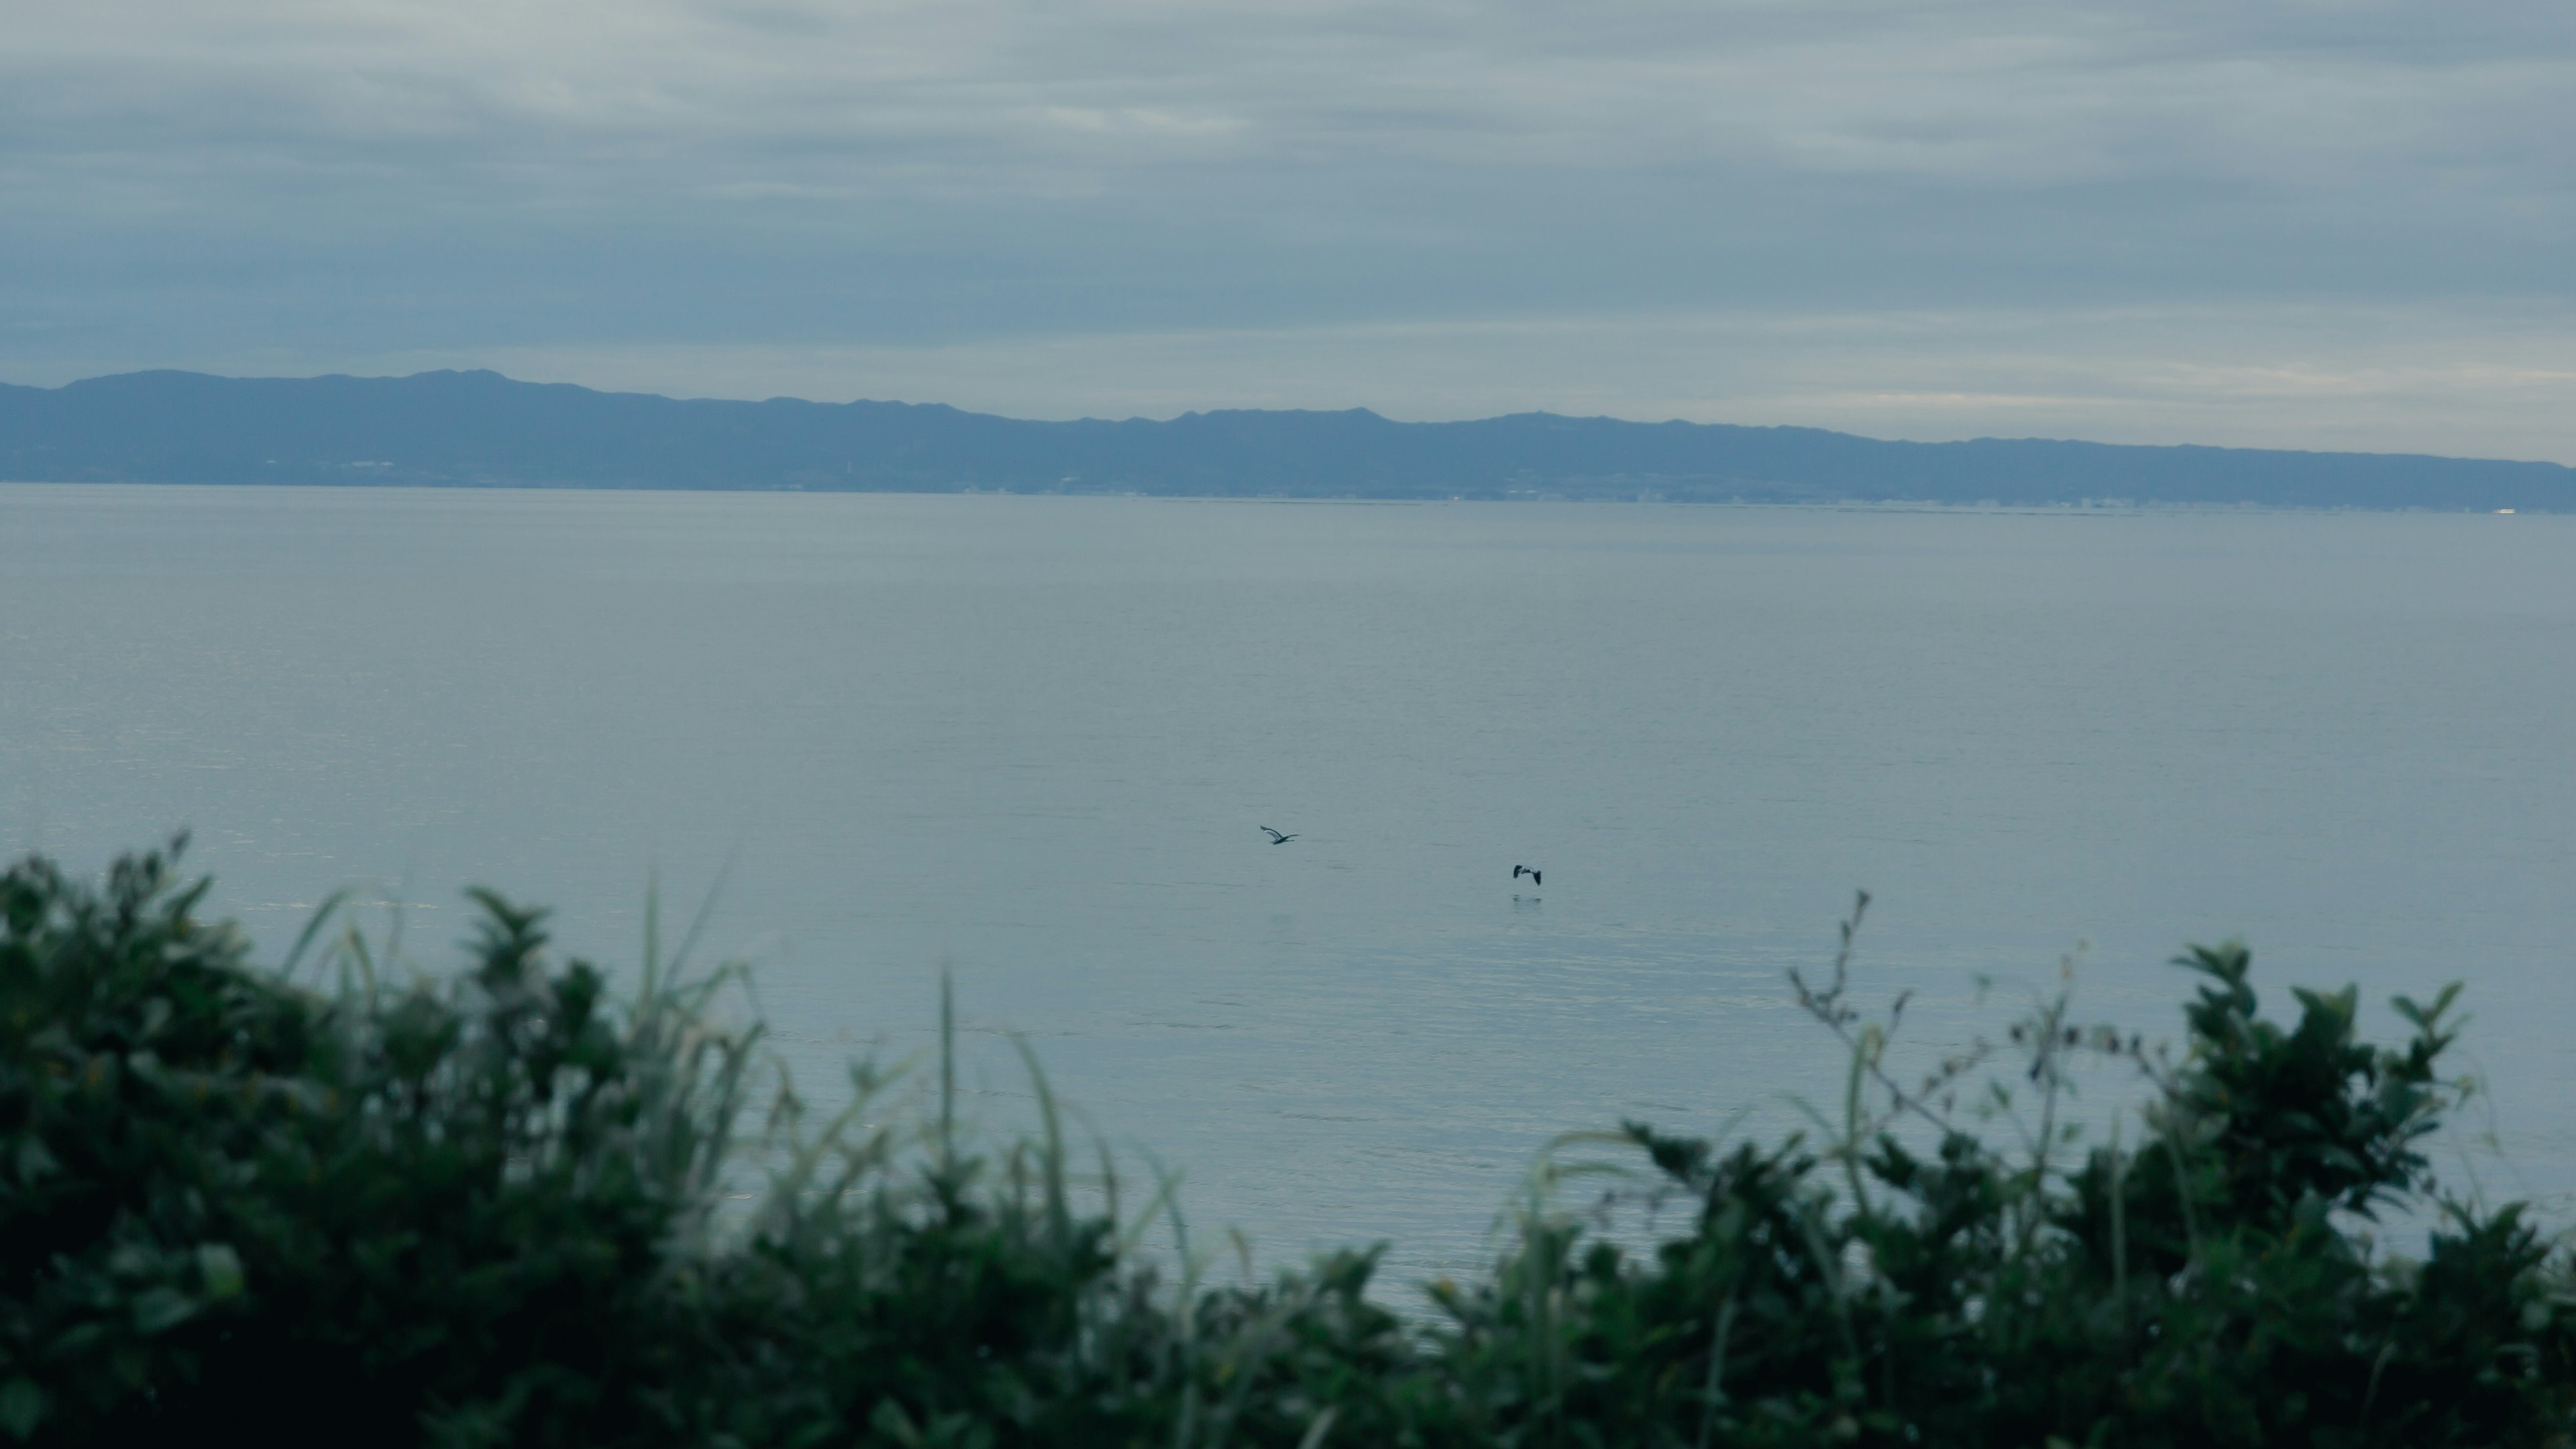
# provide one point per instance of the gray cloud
(316, 183)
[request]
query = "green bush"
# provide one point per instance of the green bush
(491, 1208)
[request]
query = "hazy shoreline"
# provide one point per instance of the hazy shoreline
(449, 429)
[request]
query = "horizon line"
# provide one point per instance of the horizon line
(1360, 409)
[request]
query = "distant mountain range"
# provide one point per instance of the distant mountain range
(480, 429)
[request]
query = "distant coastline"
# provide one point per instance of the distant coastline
(480, 429)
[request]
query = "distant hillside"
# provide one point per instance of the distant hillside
(482, 429)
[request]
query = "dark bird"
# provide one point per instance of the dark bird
(1521, 870)
(1275, 837)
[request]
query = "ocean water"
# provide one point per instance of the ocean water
(1030, 741)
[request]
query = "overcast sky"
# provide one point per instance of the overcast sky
(2290, 224)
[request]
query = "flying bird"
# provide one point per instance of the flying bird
(1521, 870)
(1278, 839)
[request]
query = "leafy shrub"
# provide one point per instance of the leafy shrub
(460, 1207)
(489, 1209)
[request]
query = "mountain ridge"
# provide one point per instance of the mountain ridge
(479, 428)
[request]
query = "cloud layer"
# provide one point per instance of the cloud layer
(620, 185)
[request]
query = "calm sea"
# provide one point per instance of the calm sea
(1032, 739)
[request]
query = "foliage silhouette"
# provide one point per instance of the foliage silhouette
(506, 1206)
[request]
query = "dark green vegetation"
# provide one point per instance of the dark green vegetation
(499, 1208)
(479, 428)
